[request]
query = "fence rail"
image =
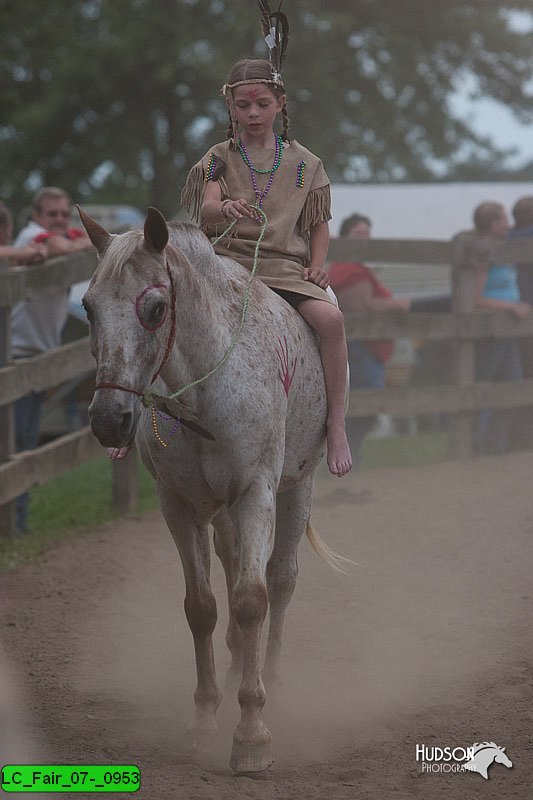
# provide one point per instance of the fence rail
(462, 327)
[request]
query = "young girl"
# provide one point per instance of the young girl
(255, 166)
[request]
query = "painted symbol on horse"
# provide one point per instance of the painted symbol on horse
(163, 309)
(286, 369)
(486, 754)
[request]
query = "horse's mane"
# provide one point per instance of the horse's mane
(192, 242)
(118, 252)
(184, 236)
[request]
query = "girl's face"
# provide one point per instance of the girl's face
(256, 107)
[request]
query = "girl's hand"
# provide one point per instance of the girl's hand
(236, 209)
(316, 275)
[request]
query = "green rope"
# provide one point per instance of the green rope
(148, 397)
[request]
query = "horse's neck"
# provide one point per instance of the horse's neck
(208, 308)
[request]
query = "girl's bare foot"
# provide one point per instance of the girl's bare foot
(339, 455)
(117, 453)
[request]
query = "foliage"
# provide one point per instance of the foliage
(115, 99)
(76, 501)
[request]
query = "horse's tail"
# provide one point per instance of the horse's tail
(326, 553)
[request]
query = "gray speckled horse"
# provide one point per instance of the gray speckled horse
(163, 309)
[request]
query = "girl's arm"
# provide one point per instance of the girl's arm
(318, 249)
(215, 210)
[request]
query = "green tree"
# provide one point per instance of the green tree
(115, 99)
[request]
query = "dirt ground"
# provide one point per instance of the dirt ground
(427, 641)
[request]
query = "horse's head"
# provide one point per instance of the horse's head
(130, 305)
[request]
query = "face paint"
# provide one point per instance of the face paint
(252, 92)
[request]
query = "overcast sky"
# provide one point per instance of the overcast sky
(495, 120)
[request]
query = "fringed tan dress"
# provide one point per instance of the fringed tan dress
(291, 210)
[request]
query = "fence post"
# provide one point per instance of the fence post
(461, 425)
(125, 483)
(7, 433)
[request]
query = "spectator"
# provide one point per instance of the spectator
(37, 325)
(31, 254)
(496, 288)
(522, 430)
(358, 289)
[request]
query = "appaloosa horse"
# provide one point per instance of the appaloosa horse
(163, 311)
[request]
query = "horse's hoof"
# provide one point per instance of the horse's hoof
(251, 758)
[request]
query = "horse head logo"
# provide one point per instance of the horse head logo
(484, 755)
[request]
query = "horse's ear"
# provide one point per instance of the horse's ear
(155, 230)
(96, 232)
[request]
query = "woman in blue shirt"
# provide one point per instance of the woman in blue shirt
(496, 289)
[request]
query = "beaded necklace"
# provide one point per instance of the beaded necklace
(260, 196)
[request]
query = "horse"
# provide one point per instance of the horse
(248, 429)
(484, 755)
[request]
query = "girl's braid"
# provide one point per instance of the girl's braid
(285, 118)
(229, 131)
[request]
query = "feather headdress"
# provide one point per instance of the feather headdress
(275, 28)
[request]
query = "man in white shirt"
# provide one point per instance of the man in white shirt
(37, 325)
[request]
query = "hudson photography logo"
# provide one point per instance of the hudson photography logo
(477, 758)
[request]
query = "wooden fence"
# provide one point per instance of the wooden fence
(462, 327)
(21, 471)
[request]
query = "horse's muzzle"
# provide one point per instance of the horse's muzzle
(114, 417)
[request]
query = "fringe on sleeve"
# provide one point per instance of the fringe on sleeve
(317, 208)
(192, 194)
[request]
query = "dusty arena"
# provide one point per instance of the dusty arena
(427, 642)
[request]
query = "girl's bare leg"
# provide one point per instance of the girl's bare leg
(328, 322)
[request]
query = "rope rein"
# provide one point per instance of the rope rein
(147, 397)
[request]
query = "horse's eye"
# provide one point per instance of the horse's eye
(87, 309)
(151, 308)
(157, 313)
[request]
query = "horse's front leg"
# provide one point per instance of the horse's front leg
(226, 548)
(253, 516)
(192, 541)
